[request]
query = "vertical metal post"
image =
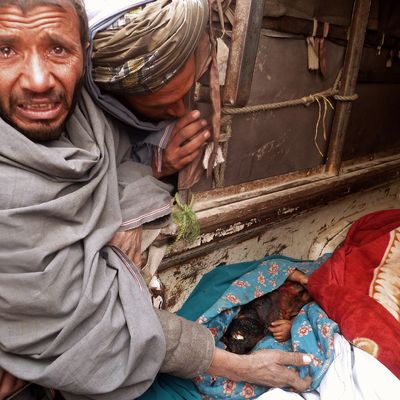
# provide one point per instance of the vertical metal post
(186, 193)
(242, 56)
(349, 81)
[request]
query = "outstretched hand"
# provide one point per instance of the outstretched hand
(185, 143)
(264, 367)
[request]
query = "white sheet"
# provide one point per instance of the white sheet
(353, 375)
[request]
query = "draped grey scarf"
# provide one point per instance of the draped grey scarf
(74, 313)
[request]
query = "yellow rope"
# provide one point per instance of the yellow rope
(326, 103)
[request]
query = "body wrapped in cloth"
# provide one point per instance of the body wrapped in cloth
(312, 331)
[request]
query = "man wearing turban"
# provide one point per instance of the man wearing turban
(144, 59)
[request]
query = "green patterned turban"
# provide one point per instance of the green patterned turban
(144, 49)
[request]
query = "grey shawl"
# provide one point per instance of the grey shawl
(74, 313)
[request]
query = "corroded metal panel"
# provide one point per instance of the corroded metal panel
(277, 142)
(374, 122)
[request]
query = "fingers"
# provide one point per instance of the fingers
(275, 329)
(187, 119)
(295, 359)
(264, 367)
(296, 382)
(281, 336)
(195, 143)
(280, 322)
(299, 277)
(189, 133)
(281, 333)
(187, 139)
(186, 129)
(280, 329)
(270, 368)
(187, 159)
(290, 375)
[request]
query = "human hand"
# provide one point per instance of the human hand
(280, 329)
(9, 384)
(129, 242)
(185, 143)
(299, 277)
(264, 367)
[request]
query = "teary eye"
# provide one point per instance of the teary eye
(58, 50)
(6, 51)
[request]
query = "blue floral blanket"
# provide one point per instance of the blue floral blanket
(312, 331)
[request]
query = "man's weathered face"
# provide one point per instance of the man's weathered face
(168, 102)
(41, 66)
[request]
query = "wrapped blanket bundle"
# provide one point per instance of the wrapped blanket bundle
(312, 331)
(359, 286)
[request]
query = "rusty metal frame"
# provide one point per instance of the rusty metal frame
(256, 214)
(243, 13)
(351, 67)
(245, 37)
(260, 203)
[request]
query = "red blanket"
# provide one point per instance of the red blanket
(359, 286)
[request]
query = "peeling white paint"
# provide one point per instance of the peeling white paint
(220, 233)
(285, 210)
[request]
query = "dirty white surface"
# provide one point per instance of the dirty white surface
(305, 236)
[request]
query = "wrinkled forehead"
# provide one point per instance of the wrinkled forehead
(75, 7)
(41, 18)
(27, 5)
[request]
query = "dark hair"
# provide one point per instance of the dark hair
(26, 5)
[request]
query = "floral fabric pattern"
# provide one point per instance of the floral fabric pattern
(312, 331)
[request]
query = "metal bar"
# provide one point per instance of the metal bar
(182, 174)
(349, 81)
(303, 27)
(335, 186)
(244, 191)
(219, 171)
(242, 57)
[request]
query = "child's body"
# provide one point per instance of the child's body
(271, 313)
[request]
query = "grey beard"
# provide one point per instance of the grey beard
(45, 132)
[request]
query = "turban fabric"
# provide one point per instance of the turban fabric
(144, 49)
